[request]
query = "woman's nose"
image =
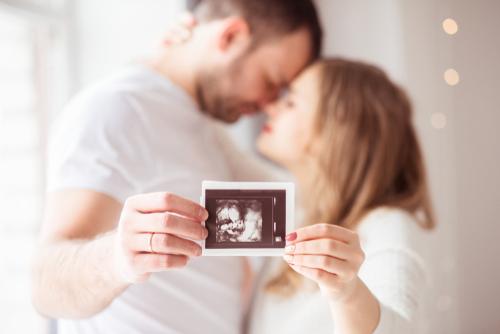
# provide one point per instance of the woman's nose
(270, 97)
(271, 109)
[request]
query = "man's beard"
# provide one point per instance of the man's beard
(216, 106)
(211, 101)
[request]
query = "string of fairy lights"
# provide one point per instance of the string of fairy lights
(450, 76)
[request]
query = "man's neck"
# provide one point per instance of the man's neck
(175, 64)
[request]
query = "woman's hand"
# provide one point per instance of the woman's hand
(181, 31)
(328, 254)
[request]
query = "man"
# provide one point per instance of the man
(149, 130)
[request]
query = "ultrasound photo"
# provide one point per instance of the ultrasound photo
(238, 220)
(243, 217)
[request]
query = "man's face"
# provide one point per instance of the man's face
(253, 79)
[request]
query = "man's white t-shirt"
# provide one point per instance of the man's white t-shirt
(137, 133)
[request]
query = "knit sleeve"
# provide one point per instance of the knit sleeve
(394, 269)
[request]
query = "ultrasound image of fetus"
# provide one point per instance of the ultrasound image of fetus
(239, 221)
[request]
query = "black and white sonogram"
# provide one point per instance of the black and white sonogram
(244, 216)
(238, 220)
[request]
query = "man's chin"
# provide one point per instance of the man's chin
(228, 118)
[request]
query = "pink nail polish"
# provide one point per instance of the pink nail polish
(291, 237)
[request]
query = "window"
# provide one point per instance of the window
(32, 43)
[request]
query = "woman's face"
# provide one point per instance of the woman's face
(286, 136)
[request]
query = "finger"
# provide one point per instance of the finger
(166, 222)
(179, 34)
(165, 201)
(318, 231)
(328, 247)
(317, 275)
(182, 30)
(326, 263)
(164, 244)
(187, 19)
(148, 262)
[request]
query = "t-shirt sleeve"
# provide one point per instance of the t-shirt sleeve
(395, 271)
(91, 146)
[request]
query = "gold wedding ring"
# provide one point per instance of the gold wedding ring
(151, 243)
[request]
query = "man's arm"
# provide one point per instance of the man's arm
(92, 248)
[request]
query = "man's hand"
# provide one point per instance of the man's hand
(156, 232)
(93, 247)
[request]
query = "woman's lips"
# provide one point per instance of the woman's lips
(267, 128)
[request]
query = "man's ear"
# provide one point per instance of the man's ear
(235, 34)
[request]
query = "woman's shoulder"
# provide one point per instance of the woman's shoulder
(392, 228)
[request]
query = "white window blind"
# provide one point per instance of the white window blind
(30, 44)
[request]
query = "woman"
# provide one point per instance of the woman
(345, 132)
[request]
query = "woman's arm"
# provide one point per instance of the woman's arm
(358, 312)
(331, 256)
(383, 298)
(396, 276)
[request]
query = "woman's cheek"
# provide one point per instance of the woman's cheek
(291, 137)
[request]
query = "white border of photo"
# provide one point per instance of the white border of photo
(289, 217)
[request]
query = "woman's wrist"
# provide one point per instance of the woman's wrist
(349, 297)
(358, 311)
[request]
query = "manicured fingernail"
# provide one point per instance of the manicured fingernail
(203, 214)
(291, 237)
(289, 248)
(288, 258)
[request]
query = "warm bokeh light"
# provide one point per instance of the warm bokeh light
(451, 77)
(438, 120)
(450, 26)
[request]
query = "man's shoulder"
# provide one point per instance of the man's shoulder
(101, 114)
(126, 96)
(98, 100)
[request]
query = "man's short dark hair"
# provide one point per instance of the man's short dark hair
(267, 18)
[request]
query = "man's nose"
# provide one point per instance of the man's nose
(268, 99)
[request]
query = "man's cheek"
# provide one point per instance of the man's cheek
(252, 89)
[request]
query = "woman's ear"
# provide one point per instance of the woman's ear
(235, 35)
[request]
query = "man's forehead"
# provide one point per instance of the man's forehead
(288, 55)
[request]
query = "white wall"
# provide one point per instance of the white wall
(111, 33)
(366, 30)
(476, 115)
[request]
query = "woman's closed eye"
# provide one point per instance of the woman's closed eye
(288, 101)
